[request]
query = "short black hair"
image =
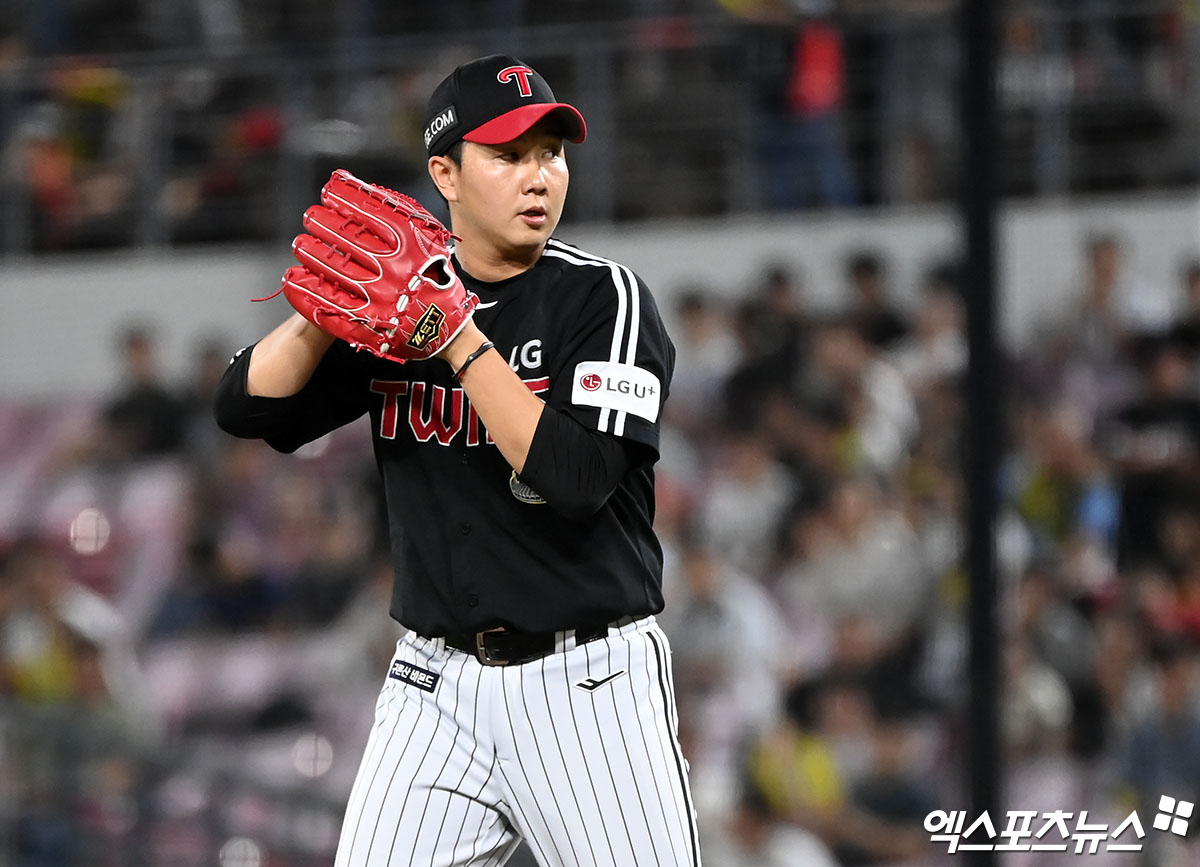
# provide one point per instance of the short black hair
(865, 263)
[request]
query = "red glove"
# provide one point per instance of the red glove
(375, 271)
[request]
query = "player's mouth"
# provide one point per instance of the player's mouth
(535, 217)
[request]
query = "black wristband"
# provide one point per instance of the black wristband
(484, 347)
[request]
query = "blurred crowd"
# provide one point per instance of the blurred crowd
(125, 122)
(192, 627)
(813, 506)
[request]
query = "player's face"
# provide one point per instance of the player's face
(509, 197)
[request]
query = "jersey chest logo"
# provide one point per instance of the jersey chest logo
(527, 354)
(439, 417)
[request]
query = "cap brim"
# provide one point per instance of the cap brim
(514, 124)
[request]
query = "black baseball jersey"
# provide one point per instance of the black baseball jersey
(473, 546)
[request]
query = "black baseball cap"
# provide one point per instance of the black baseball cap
(493, 100)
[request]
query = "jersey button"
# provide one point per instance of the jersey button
(473, 600)
(465, 529)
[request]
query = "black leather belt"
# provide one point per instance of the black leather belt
(501, 647)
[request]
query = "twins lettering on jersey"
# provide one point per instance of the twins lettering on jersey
(448, 412)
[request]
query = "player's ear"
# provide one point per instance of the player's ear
(444, 172)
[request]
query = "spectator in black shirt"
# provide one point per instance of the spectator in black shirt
(1155, 442)
(143, 420)
(871, 311)
(1188, 327)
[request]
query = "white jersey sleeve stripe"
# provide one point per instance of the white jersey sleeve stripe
(618, 330)
(622, 312)
(618, 272)
(578, 256)
(627, 307)
(631, 343)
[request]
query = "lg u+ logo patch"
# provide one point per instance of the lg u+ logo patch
(619, 387)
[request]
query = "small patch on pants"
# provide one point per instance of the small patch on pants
(413, 676)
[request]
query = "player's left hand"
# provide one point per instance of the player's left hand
(375, 271)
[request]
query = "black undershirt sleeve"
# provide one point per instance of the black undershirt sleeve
(576, 469)
(285, 423)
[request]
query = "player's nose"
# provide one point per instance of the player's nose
(534, 180)
(536, 183)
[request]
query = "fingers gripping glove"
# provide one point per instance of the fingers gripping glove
(375, 271)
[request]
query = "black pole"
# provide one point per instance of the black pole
(980, 175)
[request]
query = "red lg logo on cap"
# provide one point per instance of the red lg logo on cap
(591, 381)
(521, 74)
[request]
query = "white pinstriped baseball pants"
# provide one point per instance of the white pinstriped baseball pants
(589, 775)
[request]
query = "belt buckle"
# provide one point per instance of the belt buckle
(481, 652)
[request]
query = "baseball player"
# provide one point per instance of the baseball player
(514, 385)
